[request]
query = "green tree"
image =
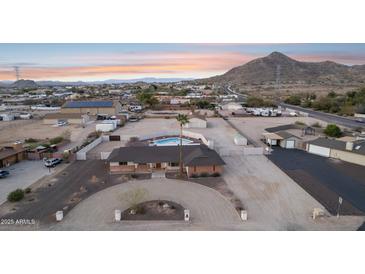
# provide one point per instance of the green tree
(182, 120)
(293, 100)
(333, 130)
(147, 98)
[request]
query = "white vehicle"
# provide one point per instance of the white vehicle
(62, 123)
(265, 113)
(52, 162)
(293, 114)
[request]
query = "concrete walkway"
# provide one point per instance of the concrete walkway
(208, 208)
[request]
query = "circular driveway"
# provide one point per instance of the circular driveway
(208, 208)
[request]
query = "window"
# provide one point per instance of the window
(174, 164)
(123, 163)
(213, 167)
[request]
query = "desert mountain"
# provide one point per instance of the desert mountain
(20, 84)
(265, 70)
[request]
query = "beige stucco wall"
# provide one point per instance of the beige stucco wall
(348, 156)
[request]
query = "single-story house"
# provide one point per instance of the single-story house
(281, 138)
(92, 107)
(11, 154)
(352, 152)
(71, 118)
(196, 121)
(197, 159)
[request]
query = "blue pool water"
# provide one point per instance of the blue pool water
(171, 141)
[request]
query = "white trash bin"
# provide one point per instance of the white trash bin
(59, 216)
(244, 215)
(118, 215)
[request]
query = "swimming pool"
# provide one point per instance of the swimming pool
(172, 141)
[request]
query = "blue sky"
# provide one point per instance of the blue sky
(125, 61)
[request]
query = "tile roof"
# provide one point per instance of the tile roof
(88, 104)
(193, 155)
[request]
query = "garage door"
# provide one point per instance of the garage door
(290, 143)
(322, 151)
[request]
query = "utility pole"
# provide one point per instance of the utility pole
(17, 74)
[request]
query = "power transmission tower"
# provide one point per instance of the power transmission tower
(17, 74)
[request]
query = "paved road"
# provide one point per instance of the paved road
(329, 118)
(208, 208)
(312, 171)
(74, 182)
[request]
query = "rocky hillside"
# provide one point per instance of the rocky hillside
(264, 71)
(20, 84)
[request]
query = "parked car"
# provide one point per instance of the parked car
(133, 119)
(62, 123)
(4, 173)
(52, 162)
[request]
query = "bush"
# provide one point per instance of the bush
(194, 176)
(293, 100)
(316, 124)
(333, 130)
(204, 174)
(216, 174)
(56, 140)
(28, 190)
(31, 140)
(16, 195)
(300, 123)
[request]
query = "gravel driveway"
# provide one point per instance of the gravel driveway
(208, 208)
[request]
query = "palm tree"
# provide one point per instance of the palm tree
(183, 120)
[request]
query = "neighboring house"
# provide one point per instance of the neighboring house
(71, 118)
(197, 159)
(196, 121)
(10, 155)
(282, 138)
(92, 107)
(353, 152)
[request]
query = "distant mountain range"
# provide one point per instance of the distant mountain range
(267, 69)
(32, 84)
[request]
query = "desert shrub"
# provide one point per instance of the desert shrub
(16, 195)
(332, 130)
(27, 190)
(316, 124)
(300, 123)
(216, 174)
(56, 140)
(204, 174)
(31, 140)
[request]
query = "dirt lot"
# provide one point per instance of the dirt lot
(23, 129)
(253, 127)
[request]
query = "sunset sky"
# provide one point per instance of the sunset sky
(89, 62)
